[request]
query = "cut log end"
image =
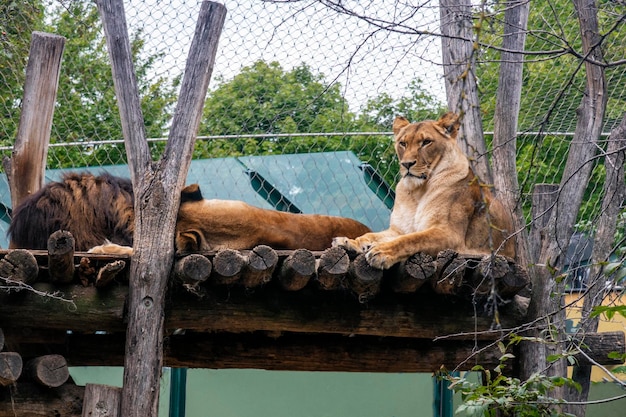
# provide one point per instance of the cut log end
(296, 270)
(50, 370)
(10, 367)
(61, 246)
(364, 280)
(333, 265)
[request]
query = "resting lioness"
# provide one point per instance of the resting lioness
(440, 204)
(98, 209)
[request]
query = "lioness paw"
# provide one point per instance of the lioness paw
(381, 258)
(350, 245)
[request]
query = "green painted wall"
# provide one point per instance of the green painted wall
(257, 393)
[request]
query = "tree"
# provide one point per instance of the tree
(87, 110)
(572, 50)
(16, 18)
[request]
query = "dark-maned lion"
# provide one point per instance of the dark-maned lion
(98, 210)
(440, 204)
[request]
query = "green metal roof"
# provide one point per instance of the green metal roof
(335, 183)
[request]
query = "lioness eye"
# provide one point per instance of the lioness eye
(426, 142)
(402, 143)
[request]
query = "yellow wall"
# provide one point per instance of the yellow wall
(618, 323)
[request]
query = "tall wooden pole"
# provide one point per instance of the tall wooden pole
(25, 170)
(157, 189)
(458, 54)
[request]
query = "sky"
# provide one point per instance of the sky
(365, 61)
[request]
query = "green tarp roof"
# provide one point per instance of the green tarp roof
(333, 183)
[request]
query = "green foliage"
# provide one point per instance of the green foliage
(265, 99)
(417, 106)
(502, 395)
(87, 109)
(17, 18)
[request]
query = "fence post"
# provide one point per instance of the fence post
(25, 169)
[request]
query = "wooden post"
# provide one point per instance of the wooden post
(459, 59)
(61, 257)
(25, 170)
(157, 189)
(102, 401)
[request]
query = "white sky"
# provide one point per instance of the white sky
(335, 45)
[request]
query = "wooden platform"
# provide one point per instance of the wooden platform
(267, 309)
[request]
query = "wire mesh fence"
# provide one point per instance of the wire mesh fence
(310, 77)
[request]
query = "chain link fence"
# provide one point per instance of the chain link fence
(308, 77)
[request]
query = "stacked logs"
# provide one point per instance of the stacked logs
(333, 269)
(49, 371)
(450, 273)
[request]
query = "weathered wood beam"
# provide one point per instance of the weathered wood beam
(287, 351)
(102, 401)
(25, 169)
(33, 400)
(235, 310)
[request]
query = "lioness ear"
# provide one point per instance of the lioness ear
(398, 124)
(450, 123)
(191, 193)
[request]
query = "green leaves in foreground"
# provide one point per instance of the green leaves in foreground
(499, 393)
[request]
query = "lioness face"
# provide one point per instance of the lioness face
(420, 146)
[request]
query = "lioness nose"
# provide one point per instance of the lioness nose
(408, 164)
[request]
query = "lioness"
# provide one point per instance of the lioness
(440, 204)
(99, 209)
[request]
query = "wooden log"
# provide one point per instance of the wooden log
(25, 170)
(363, 279)
(102, 401)
(295, 352)
(598, 346)
(450, 273)
(487, 273)
(109, 272)
(61, 246)
(227, 267)
(50, 370)
(10, 367)
(162, 181)
(92, 309)
(33, 400)
(412, 274)
(296, 271)
(258, 270)
(332, 268)
(192, 270)
(514, 281)
(19, 267)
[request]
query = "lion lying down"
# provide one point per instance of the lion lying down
(440, 204)
(99, 209)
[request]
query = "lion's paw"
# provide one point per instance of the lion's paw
(109, 248)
